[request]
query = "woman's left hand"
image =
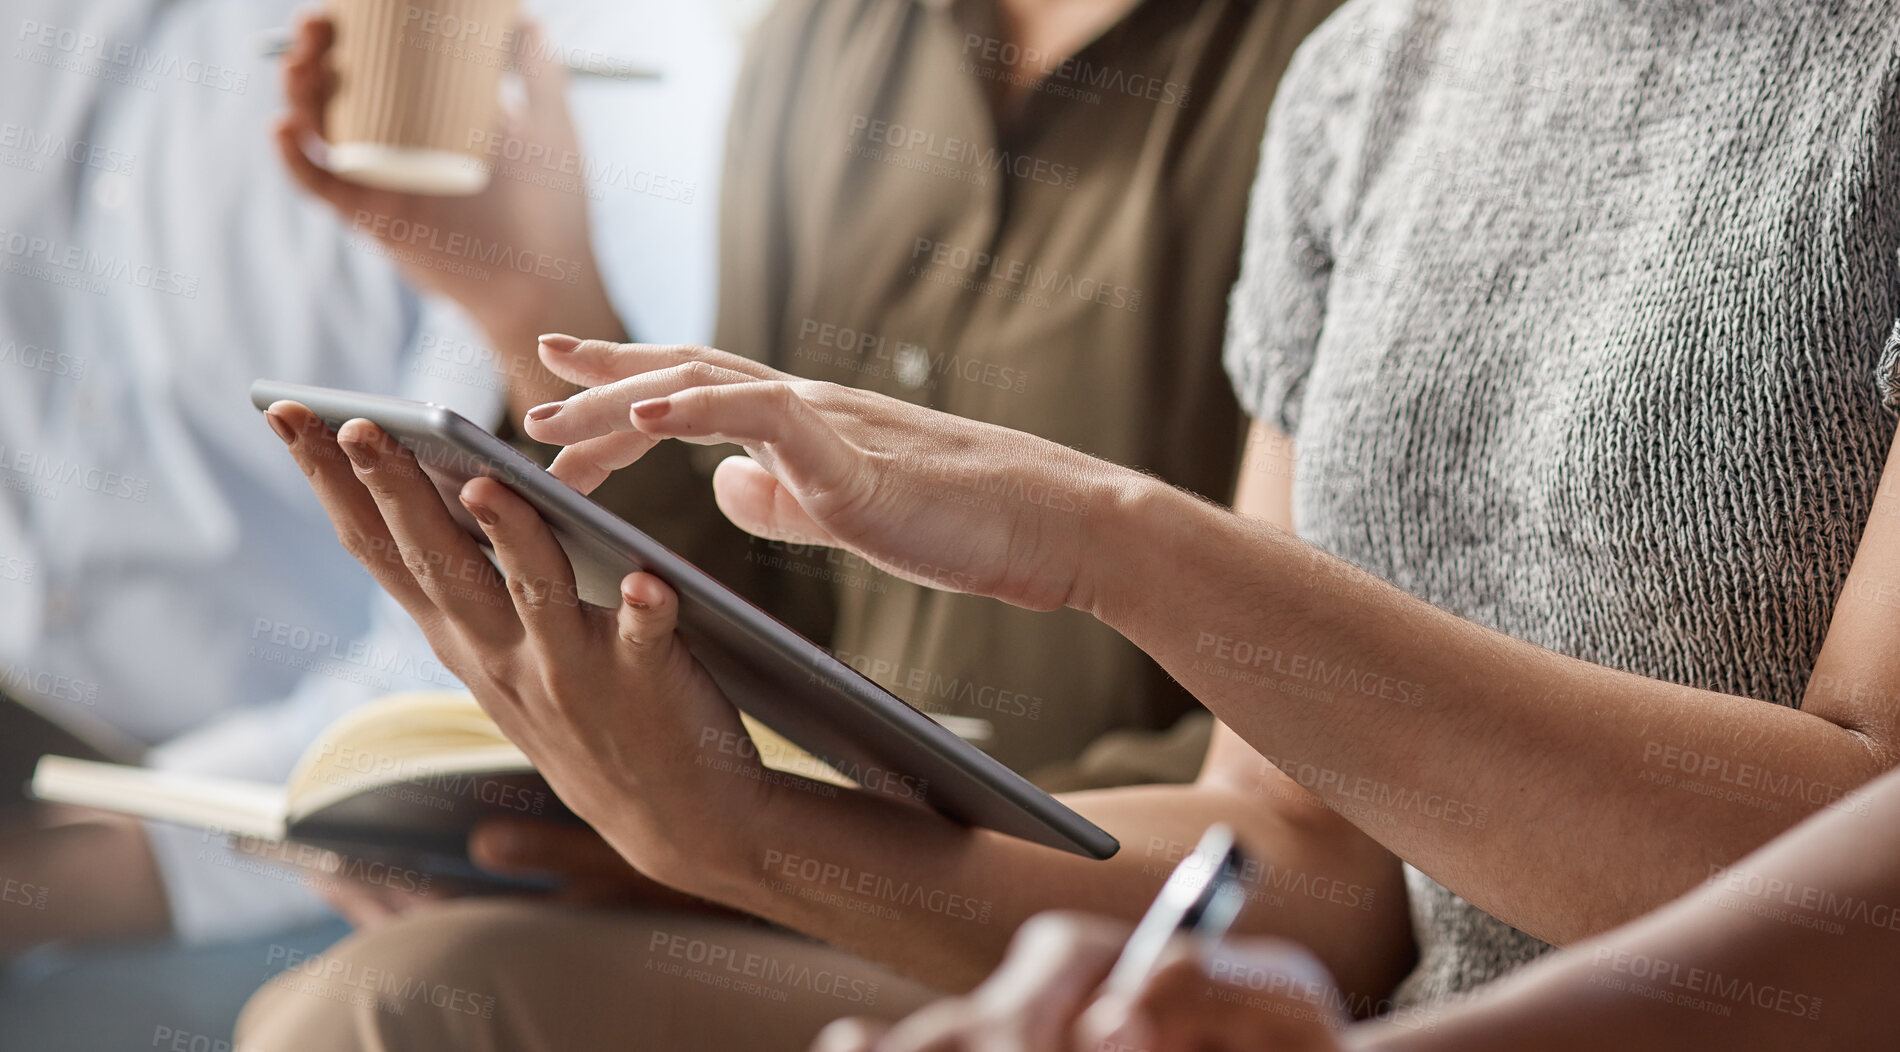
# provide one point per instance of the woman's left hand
(607, 703)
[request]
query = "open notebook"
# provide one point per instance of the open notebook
(406, 776)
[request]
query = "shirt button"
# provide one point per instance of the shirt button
(911, 364)
(91, 404)
(62, 608)
(111, 190)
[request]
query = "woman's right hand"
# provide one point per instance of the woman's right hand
(1250, 995)
(927, 496)
(533, 211)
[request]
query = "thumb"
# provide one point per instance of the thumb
(759, 504)
(520, 846)
(649, 611)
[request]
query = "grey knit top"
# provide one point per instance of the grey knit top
(1583, 314)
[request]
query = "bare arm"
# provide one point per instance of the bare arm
(1477, 757)
(940, 902)
(73, 875)
(1793, 947)
(1481, 758)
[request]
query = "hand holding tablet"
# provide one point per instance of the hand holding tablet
(575, 652)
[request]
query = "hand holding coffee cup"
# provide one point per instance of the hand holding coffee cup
(417, 91)
(534, 206)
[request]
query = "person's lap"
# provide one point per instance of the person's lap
(512, 975)
(148, 995)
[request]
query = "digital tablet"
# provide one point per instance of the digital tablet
(770, 672)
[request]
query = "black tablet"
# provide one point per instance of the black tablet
(770, 672)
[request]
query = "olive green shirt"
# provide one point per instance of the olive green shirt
(1065, 275)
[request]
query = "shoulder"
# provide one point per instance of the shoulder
(1337, 70)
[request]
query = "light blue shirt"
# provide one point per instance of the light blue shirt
(165, 572)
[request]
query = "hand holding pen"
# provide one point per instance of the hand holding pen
(1079, 983)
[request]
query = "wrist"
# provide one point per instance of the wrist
(1125, 536)
(708, 852)
(515, 322)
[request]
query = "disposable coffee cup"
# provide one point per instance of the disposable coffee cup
(418, 91)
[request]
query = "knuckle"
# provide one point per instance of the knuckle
(683, 353)
(422, 565)
(360, 546)
(785, 399)
(531, 593)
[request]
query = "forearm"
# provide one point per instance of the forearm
(1453, 745)
(1781, 952)
(514, 324)
(939, 902)
(74, 877)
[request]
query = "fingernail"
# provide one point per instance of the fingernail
(653, 408)
(559, 343)
(1114, 1018)
(504, 842)
(544, 412)
(1130, 1033)
(1129, 1037)
(482, 515)
(359, 454)
(283, 428)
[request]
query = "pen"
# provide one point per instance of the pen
(275, 43)
(1201, 899)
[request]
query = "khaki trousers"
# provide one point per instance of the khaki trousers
(486, 975)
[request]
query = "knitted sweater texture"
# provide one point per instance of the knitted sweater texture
(1583, 315)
